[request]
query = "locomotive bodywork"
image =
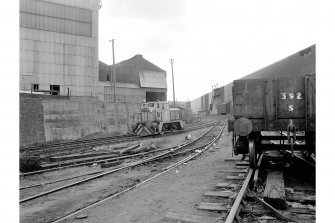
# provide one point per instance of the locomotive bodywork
(157, 118)
(279, 109)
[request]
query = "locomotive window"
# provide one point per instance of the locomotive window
(151, 105)
(157, 105)
(162, 106)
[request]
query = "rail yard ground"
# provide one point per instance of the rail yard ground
(187, 193)
(179, 190)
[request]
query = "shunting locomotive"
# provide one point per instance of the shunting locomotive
(157, 118)
(277, 109)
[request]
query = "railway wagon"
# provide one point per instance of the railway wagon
(281, 110)
(157, 118)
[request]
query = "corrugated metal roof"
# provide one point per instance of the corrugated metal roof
(127, 71)
(297, 64)
(138, 63)
(104, 71)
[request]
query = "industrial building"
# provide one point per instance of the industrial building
(59, 46)
(137, 80)
(59, 56)
(219, 100)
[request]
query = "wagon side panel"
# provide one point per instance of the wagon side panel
(310, 110)
(246, 99)
(291, 98)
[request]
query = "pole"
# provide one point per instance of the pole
(174, 100)
(114, 70)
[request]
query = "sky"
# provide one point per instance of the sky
(211, 41)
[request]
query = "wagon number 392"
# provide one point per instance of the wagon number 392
(285, 96)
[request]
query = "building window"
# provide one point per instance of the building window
(36, 87)
(54, 89)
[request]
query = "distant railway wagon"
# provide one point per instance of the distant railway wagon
(157, 118)
(277, 109)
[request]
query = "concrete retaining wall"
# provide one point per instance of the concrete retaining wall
(61, 119)
(31, 119)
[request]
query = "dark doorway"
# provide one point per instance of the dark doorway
(155, 96)
(54, 89)
(36, 88)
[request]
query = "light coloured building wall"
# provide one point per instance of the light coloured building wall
(202, 104)
(59, 45)
(196, 105)
(228, 93)
(125, 92)
(210, 98)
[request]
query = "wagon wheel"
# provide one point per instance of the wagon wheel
(252, 154)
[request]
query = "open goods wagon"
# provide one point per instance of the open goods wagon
(281, 110)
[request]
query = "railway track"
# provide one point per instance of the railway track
(166, 160)
(246, 193)
(104, 157)
(45, 150)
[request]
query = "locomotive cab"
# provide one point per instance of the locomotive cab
(157, 118)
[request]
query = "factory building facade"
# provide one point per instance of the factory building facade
(59, 56)
(137, 80)
(59, 46)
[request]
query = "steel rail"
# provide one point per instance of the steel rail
(75, 145)
(300, 158)
(232, 213)
(68, 149)
(114, 170)
(91, 162)
(71, 143)
(95, 161)
(142, 154)
(295, 155)
(277, 213)
(57, 181)
(257, 169)
(50, 145)
(139, 184)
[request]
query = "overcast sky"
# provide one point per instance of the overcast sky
(211, 41)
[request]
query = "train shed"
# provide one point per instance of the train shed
(137, 80)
